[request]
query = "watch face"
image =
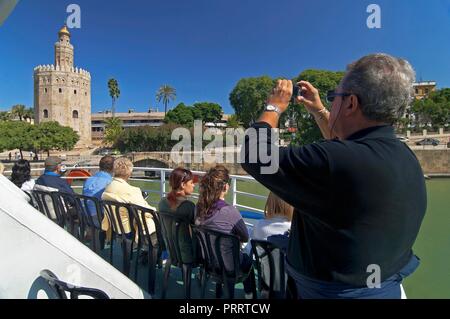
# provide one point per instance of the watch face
(270, 108)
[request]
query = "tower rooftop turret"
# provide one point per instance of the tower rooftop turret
(64, 31)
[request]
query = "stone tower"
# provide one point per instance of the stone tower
(62, 92)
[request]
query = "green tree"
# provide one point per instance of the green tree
(5, 116)
(17, 135)
(113, 129)
(249, 97)
(19, 110)
(52, 136)
(297, 115)
(166, 94)
(233, 121)
(114, 93)
(208, 112)
(181, 114)
(432, 111)
(147, 139)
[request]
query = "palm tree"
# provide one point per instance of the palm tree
(166, 93)
(19, 110)
(29, 114)
(114, 93)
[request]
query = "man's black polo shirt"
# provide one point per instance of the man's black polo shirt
(357, 202)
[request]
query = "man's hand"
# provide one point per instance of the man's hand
(281, 95)
(310, 98)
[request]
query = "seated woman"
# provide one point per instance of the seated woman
(276, 222)
(21, 175)
(216, 214)
(176, 203)
(274, 228)
(120, 191)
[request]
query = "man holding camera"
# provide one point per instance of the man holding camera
(360, 195)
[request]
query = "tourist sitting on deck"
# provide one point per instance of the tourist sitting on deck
(216, 214)
(176, 203)
(51, 179)
(276, 223)
(120, 191)
(359, 196)
(95, 185)
(21, 176)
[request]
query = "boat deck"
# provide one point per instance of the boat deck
(175, 288)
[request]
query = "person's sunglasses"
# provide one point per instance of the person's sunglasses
(331, 95)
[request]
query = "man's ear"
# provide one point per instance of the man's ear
(352, 105)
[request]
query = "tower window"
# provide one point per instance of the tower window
(85, 93)
(45, 114)
(60, 90)
(74, 91)
(45, 90)
(75, 114)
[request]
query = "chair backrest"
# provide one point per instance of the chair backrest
(31, 200)
(89, 205)
(270, 266)
(61, 287)
(140, 217)
(171, 230)
(219, 251)
(120, 217)
(68, 208)
(48, 206)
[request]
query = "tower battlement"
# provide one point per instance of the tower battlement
(52, 67)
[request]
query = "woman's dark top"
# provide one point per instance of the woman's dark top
(184, 212)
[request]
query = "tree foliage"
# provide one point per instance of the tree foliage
(181, 114)
(146, 139)
(113, 129)
(19, 111)
(233, 121)
(17, 135)
(185, 115)
(249, 97)
(52, 136)
(431, 112)
(46, 136)
(208, 112)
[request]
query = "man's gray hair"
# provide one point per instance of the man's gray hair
(383, 85)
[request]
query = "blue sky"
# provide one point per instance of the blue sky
(203, 47)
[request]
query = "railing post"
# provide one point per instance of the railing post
(233, 190)
(162, 188)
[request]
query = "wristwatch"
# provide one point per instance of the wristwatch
(273, 108)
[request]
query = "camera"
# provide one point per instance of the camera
(297, 92)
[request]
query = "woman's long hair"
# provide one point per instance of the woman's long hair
(21, 172)
(211, 186)
(275, 206)
(177, 178)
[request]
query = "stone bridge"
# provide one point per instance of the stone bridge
(164, 160)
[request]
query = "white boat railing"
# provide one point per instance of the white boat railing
(162, 191)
